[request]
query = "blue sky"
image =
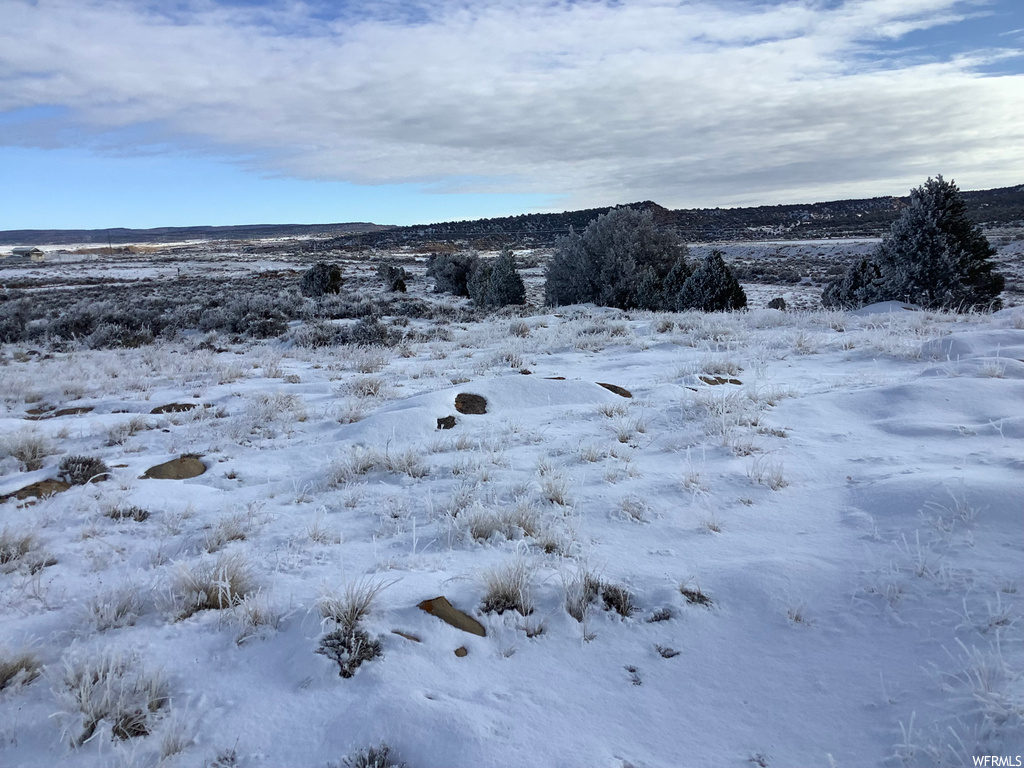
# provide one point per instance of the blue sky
(138, 114)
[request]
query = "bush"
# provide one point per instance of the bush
(393, 276)
(320, 279)
(349, 647)
(451, 272)
(934, 257)
(711, 288)
(858, 286)
(621, 260)
(498, 284)
(373, 757)
(79, 470)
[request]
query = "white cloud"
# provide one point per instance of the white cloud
(686, 103)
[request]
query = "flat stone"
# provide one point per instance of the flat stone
(38, 414)
(446, 423)
(714, 380)
(40, 490)
(470, 404)
(176, 469)
(462, 651)
(621, 391)
(174, 408)
(446, 612)
(406, 635)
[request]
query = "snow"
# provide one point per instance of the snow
(854, 509)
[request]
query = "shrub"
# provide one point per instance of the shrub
(498, 284)
(373, 757)
(451, 272)
(711, 288)
(858, 286)
(933, 256)
(394, 277)
(621, 260)
(79, 470)
(320, 279)
(349, 647)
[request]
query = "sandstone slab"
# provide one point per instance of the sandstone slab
(449, 614)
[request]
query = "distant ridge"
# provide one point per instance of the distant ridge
(869, 217)
(120, 235)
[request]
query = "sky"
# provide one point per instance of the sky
(139, 113)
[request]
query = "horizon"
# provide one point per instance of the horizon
(450, 221)
(128, 114)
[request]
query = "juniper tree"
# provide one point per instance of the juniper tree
(497, 284)
(322, 278)
(934, 256)
(621, 260)
(859, 285)
(712, 287)
(451, 272)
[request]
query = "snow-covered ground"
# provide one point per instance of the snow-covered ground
(822, 553)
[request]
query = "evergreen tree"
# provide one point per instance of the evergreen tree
(619, 261)
(451, 272)
(322, 278)
(934, 256)
(859, 285)
(712, 287)
(497, 284)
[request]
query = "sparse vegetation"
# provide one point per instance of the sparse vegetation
(80, 470)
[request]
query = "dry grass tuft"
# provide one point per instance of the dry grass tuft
(113, 688)
(509, 587)
(211, 585)
(19, 668)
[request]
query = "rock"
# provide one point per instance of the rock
(446, 423)
(406, 635)
(555, 378)
(616, 389)
(442, 609)
(462, 651)
(40, 490)
(470, 404)
(173, 408)
(38, 414)
(181, 468)
(713, 380)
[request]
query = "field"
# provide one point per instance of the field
(779, 539)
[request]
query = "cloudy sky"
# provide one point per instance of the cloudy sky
(144, 113)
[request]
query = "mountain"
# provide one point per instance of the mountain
(840, 218)
(121, 235)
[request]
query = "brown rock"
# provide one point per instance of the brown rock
(616, 389)
(38, 414)
(714, 380)
(462, 651)
(406, 635)
(470, 404)
(446, 612)
(173, 408)
(177, 469)
(555, 378)
(40, 490)
(446, 423)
